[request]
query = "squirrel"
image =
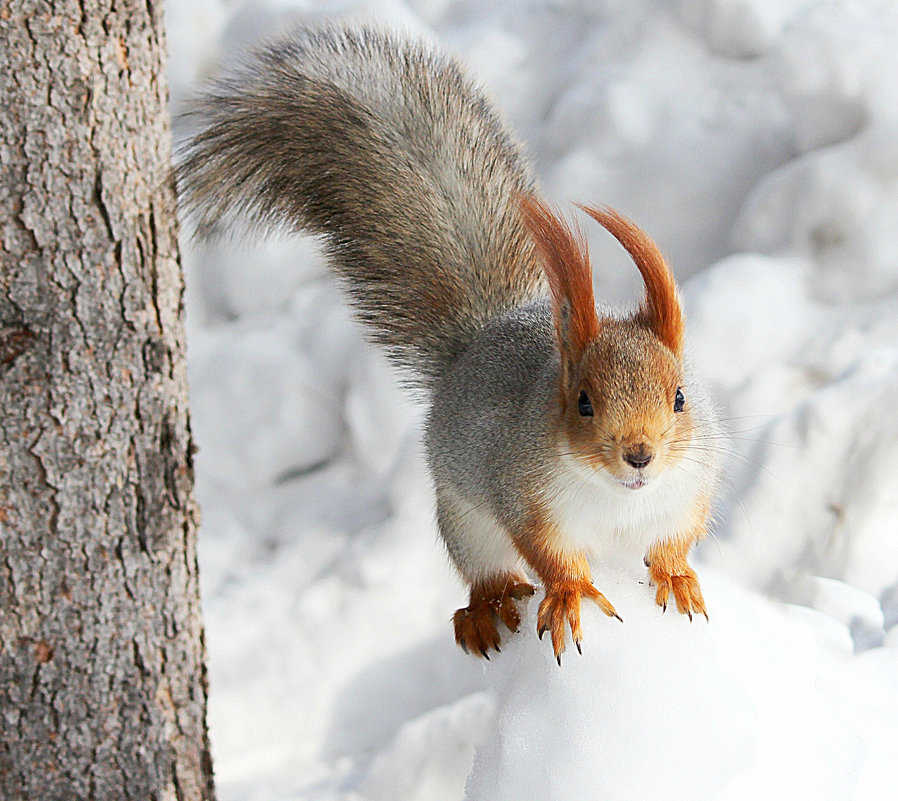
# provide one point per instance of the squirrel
(554, 428)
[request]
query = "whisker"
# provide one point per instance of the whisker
(740, 457)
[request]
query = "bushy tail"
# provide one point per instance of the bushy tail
(389, 152)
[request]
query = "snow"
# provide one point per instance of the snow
(757, 141)
(659, 702)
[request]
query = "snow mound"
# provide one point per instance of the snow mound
(719, 710)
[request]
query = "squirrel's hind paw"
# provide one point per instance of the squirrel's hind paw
(475, 625)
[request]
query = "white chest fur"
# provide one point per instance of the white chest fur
(607, 520)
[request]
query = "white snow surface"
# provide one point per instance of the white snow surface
(757, 141)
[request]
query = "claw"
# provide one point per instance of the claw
(689, 612)
(486, 656)
(520, 591)
(558, 657)
(579, 649)
(706, 616)
(618, 617)
(542, 631)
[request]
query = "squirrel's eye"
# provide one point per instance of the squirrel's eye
(584, 405)
(679, 401)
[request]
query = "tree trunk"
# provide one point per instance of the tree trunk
(102, 681)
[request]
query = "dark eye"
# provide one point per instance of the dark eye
(584, 405)
(679, 400)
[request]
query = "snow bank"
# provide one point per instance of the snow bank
(659, 705)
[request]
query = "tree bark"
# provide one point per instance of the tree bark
(102, 679)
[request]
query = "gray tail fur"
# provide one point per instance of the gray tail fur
(386, 150)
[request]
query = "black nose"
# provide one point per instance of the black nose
(638, 458)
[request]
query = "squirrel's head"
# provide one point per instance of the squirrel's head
(624, 409)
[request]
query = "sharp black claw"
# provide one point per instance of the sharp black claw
(486, 656)
(558, 657)
(579, 649)
(542, 631)
(689, 612)
(498, 650)
(706, 616)
(619, 617)
(463, 645)
(664, 608)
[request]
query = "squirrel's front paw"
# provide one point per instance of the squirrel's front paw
(475, 625)
(683, 583)
(561, 607)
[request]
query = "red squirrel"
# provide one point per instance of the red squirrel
(554, 430)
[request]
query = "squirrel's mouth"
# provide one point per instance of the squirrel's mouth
(633, 482)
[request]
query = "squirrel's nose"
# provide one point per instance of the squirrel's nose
(638, 457)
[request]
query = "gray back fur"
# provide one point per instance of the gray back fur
(493, 430)
(391, 154)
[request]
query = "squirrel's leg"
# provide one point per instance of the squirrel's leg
(566, 577)
(482, 551)
(670, 572)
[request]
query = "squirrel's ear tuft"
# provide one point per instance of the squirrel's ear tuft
(661, 310)
(565, 259)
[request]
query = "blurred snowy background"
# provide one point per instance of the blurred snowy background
(757, 141)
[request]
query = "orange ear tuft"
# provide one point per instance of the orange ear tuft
(565, 259)
(661, 309)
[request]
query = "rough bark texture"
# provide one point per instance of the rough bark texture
(102, 683)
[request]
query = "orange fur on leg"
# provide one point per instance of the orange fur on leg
(475, 625)
(669, 569)
(567, 580)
